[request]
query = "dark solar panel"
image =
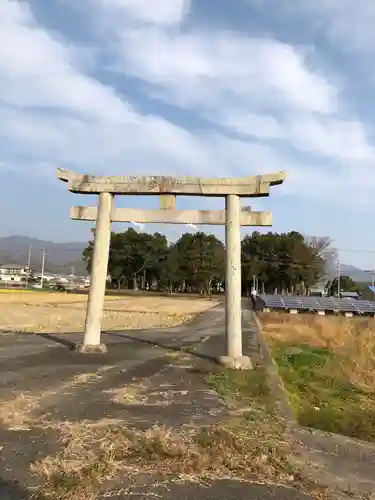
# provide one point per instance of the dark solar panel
(319, 304)
(326, 304)
(365, 306)
(293, 302)
(274, 301)
(367, 309)
(347, 306)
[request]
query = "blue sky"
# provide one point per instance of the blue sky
(206, 87)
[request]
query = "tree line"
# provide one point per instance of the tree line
(287, 262)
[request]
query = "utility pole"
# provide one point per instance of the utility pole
(43, 264)
(338, 278)
(28, 267)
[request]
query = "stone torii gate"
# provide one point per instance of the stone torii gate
(168, 188)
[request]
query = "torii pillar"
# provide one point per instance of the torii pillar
(98, 278)
(167, 188)
(233, 309)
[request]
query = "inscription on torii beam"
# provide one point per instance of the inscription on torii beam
(254, 186)
(167, 188)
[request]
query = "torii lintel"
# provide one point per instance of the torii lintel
(252, 186)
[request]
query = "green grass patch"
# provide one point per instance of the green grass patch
(321, 394)
(240, 387)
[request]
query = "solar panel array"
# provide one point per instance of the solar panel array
(313, 304)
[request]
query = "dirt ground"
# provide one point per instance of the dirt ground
(59, 312)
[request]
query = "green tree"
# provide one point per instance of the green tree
(196, 262)
(132, 257)
(346, 285)
(282, 262)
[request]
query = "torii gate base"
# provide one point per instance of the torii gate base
(167, 188)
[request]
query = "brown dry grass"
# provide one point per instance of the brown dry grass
(93, 456)
(58, 312)
(352, 338)
(131, 394)
(248, 444)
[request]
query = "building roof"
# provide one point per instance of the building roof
(12, 266)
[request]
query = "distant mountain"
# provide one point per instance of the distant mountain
(60, 257)
(356, 274)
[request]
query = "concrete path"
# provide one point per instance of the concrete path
(218, 490)
(60, 384)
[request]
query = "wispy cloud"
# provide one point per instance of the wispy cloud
(348, 23)
(254, 87)
(39, 70)
(262, 106)
(166, 13)
(345, 23)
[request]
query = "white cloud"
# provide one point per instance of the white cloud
(209, 67)
(332, 137)
(149, 143)
(38, 70)
(165, 12)
(251, 124)
(257, 87)
(347, 24)
(83, 122)
(341, 139)
(350, 24)
(55, 114)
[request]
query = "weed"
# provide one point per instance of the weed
(327, 365)
(236, 448)
(241, 386)
(245, 445)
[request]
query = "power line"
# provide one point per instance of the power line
(249, 257)
(74, 249)
(352, 250)
(252, 260)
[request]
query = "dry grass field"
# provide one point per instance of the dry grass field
(59, 312)
(328, 366)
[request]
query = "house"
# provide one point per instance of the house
(350, 295)
(13, 273)
(317, 292)
(46, 277)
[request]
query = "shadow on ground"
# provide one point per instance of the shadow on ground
(12, 490)
(218, 490)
